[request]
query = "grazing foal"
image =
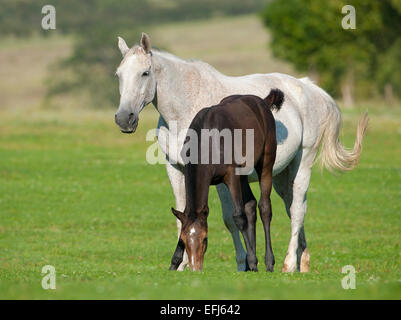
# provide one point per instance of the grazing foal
(235, 112)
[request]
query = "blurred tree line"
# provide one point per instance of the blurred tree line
(95, 25)
(362, 62)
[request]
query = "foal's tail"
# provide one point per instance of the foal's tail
(275, 99)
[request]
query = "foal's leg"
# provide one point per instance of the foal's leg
(265, 209)
(178, 255)
(228, 212)
(177, 181)
(250, 211)
(233, 183)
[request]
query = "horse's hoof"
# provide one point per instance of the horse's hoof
(242, 264)
(241, 267)
(247, 266)
(290, 264)
(289, 269)
(305, 261)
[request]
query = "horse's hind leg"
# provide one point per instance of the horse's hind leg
(228, 212)
(265, 209)
(292, 185)
(283, 186)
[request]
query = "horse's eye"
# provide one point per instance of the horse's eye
(146, 73)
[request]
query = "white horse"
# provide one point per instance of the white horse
(308, 118)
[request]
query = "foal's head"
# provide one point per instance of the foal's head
(137, 83)
(194, 236)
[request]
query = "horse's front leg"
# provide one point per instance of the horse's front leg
(228, 211)
(177, 181)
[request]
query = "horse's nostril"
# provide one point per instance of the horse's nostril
(131, 118)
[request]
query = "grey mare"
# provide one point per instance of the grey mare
(308, 119)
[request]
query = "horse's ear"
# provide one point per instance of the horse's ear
(122, 45)
(145, 42)
(180, 216)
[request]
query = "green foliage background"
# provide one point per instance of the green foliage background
(309, 34)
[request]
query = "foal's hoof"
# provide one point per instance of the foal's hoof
(253, 268)
(269, 268)
(252, 263)
(270, 262)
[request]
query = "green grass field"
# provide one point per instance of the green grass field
(77, 194)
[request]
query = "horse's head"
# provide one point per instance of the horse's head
(137, 82)
(194, 236)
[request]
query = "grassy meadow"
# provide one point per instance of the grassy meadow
(77, 194)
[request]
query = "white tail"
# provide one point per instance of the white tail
(334, 156)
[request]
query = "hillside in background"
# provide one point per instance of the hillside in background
(234, 45)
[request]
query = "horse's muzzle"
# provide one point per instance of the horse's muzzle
(127, 131)
(127, 122)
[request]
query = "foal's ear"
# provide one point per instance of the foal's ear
(145, 42)
(178, 214)
(122, 45)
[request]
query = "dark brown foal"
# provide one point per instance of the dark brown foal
(234, 118)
